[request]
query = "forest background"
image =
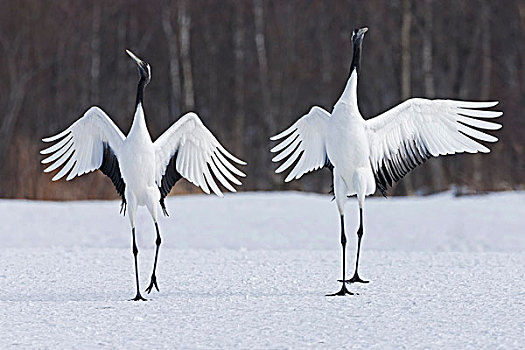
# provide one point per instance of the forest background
(249, 68)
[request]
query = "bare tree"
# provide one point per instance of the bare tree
(239, 43)
(264, 80)
(406, 88)
(19, 76)
(258, 10)
(436, 166)
(184, 20)
(486, 71)
(95, 53)
(122, 65)
(406, 68)
(428, 50)
(173, 52)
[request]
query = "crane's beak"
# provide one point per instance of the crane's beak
(144, 69)
(135, 58)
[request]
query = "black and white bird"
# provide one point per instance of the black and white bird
(368, 154)
(143, 172)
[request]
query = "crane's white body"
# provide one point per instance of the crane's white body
(137, 164)
(346, 129)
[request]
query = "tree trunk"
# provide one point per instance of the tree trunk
(478, 177)
(269, 124)
(406, 88)
(184, 20)
(263, 63)
(436, 165)
(239, 50)
(173, 52)
(122, 93)
(427, 51)
(95, 54)
(18, 79)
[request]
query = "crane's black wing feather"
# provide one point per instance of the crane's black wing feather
(110, 167)
(412, 154)
(170, 178)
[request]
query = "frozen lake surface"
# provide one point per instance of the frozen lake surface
(251, 271)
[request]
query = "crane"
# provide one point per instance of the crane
(367, 154)
(143, 172)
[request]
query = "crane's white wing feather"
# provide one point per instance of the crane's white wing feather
(84, 146)
(417, 129)
(304, 140)
(196, 151)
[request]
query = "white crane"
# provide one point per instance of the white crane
(143, 172)
(365, 154)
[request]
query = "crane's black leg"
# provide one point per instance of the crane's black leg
(135, 253)
(343, 290)
(153, 276)
(356, 277)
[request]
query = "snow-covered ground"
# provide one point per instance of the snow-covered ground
(251, 271)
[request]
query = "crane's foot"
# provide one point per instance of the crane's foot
(344, 291)
(138, 297)
(152, 283)
(355, 279)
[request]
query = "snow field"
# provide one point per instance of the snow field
(251, 271)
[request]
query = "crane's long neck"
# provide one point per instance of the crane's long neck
(356, 57)
(139, 120)
(349, 95)
(140, 91)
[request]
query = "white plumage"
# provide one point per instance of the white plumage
(398, 138)
(81, 145)
(365, 154)
(197, 149)
(142, 171)
(417, 127)
(307, 135)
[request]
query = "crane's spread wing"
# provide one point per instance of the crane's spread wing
(188, 149)
(88, 144)
(417, 129)
(304, 140)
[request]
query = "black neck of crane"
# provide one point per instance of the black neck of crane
(356, 58)
(140, 91)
